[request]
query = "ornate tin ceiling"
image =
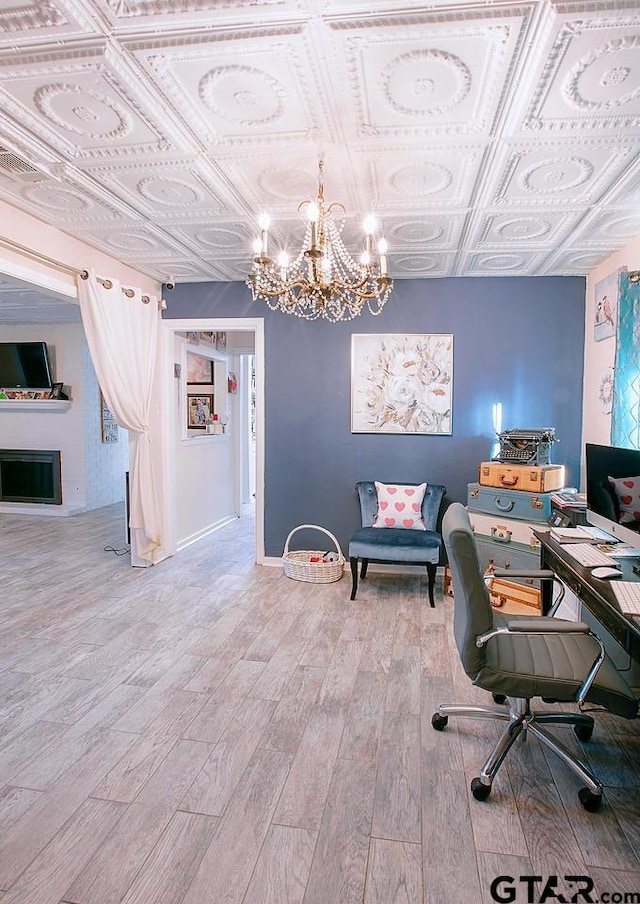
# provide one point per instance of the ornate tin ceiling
(490, 138)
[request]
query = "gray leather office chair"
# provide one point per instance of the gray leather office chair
(522, 657)
(391, 545)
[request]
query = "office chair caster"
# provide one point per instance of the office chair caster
(481, 791)
(590, 801)
(439, 722)
(499, 698)
(583, 732)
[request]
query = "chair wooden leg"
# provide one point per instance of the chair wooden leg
(353, 562)
(363, 570)
(431, 572)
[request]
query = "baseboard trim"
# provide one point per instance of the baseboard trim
(211, 529)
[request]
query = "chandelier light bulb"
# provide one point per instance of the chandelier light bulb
(264, 221)
(313, 212)
(365, 258)
(369, 224)
(257, 246)
(382, 246)
(283, 260)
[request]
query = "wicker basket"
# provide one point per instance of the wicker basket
(297, 564)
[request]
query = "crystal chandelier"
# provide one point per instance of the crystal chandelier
(323, 280)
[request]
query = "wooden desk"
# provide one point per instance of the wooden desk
(597, 596)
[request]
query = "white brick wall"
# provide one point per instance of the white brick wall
(92, 472)
(105, 463)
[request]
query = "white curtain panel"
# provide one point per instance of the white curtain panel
(122, 336)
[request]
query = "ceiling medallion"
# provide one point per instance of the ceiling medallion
(323, 281)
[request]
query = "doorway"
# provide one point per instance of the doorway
(244, 440)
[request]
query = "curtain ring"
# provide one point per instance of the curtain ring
(145, 299)
(106, 283)
(129, 293)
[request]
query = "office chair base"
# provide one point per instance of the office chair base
(479, 790)
(521, 720)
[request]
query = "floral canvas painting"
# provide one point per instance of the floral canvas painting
(401, 383)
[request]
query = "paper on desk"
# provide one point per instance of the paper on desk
(572, 535)
(597, 534)
(621, 551)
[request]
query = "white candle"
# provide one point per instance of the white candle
(263, 223)
(313, 214)
(283, 263)
(382, 251)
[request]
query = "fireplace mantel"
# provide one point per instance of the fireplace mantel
(50, 405)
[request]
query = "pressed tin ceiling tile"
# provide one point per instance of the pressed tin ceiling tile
(487, 138)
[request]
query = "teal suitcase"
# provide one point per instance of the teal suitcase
(513, 503)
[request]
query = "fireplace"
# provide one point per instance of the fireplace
(30, 475)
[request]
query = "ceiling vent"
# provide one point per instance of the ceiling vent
(14, 166)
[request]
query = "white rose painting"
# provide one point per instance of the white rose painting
(401, 384)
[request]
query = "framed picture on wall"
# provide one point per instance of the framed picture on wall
(199, 408)
(199, 369)
(606, 306)
(401, 383)
(108, 426)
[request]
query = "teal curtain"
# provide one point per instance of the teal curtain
(625, 415)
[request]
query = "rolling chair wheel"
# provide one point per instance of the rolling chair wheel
(591, 802)
(583, 733)
(499, 698)
(481, 791)
(439, 722)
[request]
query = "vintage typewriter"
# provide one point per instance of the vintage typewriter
(526, 447)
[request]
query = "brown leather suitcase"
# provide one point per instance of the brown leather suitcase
(530, 478)
(511, 596)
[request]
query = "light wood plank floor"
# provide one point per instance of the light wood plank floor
(209, 731)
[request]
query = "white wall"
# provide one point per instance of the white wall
(204, 464)
(92, 472)
(596, 424)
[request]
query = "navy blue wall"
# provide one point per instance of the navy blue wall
(518, 341)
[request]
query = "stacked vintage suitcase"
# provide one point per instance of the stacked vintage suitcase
(511, 498)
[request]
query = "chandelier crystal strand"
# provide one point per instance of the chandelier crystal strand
(324, 280)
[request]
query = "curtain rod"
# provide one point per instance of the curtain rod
(84, 274)
(108, 284)
(37, 256)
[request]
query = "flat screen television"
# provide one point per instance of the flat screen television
(613, 491)
(24, 365)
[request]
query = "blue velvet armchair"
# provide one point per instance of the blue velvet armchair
(392, 545)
